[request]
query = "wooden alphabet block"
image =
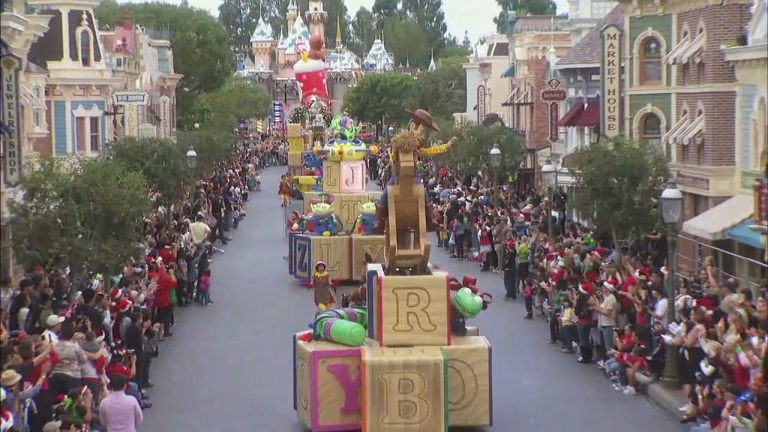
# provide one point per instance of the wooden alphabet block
(328, 384)
(361, 245)
(413, 310)
(335, 253)
(470, 389)
(296, 144)
(373, 273)
(346, 177)
(345, 204)
(404, 389)
(472, 331)
(294, 130)
(300, 264)
(295, 159)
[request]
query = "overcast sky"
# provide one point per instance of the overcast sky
(474, 16)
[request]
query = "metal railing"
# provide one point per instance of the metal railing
(749, 272)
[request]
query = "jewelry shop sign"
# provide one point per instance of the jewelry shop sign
(11, 66)
(610, 118)
(130, 98)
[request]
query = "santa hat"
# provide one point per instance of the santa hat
(585, 288)
(6, 417)
(611, 285)
(115, 294)
(642, 274)
(124, 305)
(601, 251)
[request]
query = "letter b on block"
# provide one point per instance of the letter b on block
(414, 310)
(405, 403)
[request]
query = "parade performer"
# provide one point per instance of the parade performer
(324, 291)
(411, 140)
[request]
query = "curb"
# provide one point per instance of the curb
(667, 400)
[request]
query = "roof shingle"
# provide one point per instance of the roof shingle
(589, 48)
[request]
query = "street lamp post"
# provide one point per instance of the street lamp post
(549, 178)
(391, 133)
(197, 125)
(671, 203)
(494, 157)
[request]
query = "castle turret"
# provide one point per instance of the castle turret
(262, 44)
(293, 13)
(316, 17)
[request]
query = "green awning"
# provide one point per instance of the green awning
(743, 234)
(510, 72)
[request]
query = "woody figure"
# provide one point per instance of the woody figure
(411, 140)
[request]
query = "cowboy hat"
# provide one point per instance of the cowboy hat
(423, 118)
(10, 378)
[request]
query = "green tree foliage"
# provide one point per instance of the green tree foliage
(474, 143)
(363, 32)
(443, 91)
(385, 9)
(89, 213)
(200, 44)
(212, 148)
(430, 17)
(522, 8)
(617, 182)
(454, 49)
(378, 96)
(160, 161)
(236, 99)
(407, 41)
(239, 18)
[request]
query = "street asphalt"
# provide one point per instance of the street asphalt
(228, 367)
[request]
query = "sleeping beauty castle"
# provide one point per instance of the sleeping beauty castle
(273, 58)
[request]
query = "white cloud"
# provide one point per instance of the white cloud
(473, 16)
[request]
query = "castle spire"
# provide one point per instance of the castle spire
(338, 31)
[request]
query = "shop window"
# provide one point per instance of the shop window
(95, 134)
(85, 48)
(651, 62)
(651, 132)
(759, 139)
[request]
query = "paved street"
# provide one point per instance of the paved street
(228, 367)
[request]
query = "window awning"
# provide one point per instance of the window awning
(672, 57)
(510, 72)
(713, 223)
(743, 234)
(510, 100)
(694, 132)
(676, 130)
(568, 120)
(524, 99)
(692, 50)
(591, 115)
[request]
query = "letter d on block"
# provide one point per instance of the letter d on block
(405, 404)
(412, 309)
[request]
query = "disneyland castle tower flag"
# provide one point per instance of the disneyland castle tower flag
(310, 72)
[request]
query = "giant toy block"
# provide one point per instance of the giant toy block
(404, 389)
(305, 250)
(344, 177)
(362, 245)
(469, 381)
(327, 387)
(412, 310)
(345, 204)
(295, 159)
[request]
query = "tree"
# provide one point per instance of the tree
(381, 96)
(237, 99)
(212, 148)
(473, 145)
(617, 182)
(86, 214)
(522, 8)
(466, 43)
(201, 45)
(443, 91)
(363, 32)
(385, 9)
(239, 18)
(161, 162)
(429, 15)
(407, 41)
(453, 49)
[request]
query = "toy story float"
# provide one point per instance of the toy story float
(327, 162)
(396, 354)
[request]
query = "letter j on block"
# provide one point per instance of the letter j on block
(328, 387)
(413, 310)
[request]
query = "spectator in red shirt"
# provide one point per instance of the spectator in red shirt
(117, 366)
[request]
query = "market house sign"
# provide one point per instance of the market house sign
(610, 103)
(130, 98)
(11, 65)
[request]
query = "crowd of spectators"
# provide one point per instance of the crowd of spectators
(77, 351)
(608, 304)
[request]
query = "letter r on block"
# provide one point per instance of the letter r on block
(412, 304)
(405, 404)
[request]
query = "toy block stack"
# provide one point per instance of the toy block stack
(412, 374)
(296, 150)
(344, 251)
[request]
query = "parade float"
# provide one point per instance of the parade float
(396, 354)
(327, 163)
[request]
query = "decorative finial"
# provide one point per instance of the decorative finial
(84, 20)
(338, 31)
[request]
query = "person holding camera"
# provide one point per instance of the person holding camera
(117, 366)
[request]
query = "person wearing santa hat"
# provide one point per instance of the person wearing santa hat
(584, 322)
(606, 318)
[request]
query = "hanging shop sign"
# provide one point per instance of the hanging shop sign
(610, 103)
(11, 66)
